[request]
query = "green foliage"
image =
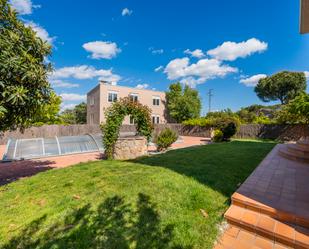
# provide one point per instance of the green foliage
(114, 117)
(77, 115)
(283, 86)
(218, 136)
(24, 89)
(81, 113)
(165, 139)
(262, 119)
(221, 114)
(296, 112)
(49, 113)
(228, 126)
(183, 104)
(68, 116)
(202, 122)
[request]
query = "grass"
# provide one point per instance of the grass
(152, 202)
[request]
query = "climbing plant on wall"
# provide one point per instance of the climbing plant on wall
(115, 115)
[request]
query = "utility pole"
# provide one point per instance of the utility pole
(210, 94)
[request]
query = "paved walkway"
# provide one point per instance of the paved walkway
(12, 171)
(271, 208)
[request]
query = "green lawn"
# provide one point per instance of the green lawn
(153, 202)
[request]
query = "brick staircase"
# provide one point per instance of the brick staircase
(297, 152)
(271, 208)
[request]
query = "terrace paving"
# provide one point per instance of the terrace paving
(271, 205)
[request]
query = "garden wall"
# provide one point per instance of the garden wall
(279, 132)
(73, 130)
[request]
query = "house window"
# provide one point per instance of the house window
(92, 100)
(155, 119)
(133, 97)
(112, 97)
(91, 118)
(156, 100)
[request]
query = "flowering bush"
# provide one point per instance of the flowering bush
(115, 115)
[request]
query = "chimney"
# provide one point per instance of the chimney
(105, 82)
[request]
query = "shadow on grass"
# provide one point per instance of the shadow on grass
(114, 224)
(12, 171)
(222, 167)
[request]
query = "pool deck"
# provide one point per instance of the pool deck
(12, 171)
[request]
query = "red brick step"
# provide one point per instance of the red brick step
(268, 227)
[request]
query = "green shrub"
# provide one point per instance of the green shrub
(228, 126)
(218, 136)
(165, 139)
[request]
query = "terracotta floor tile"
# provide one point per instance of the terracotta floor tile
(302, 237)
(219, 246)
(278, 245)
(227, 241)
(241, 244)
(266, 224)
(246, 236)
(233, 231)
(234, 212)
(285, 231)
(250, 218)
(263, 243)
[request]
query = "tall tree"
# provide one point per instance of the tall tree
(183, 104)
(50, 112)
(77, 115)
(81, 113)
(24, 87)
(297, 111)
(283, 86)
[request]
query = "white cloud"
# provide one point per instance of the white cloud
(307, 74)
(23, 7)
(159, 68)
(72, 97)
(126, 12)
(192, 82)
(102, 49)
(41, 32)
(198, 53)
(85, 72)
(67, 106)
(230, 51)
(142, 86)
(253, 80)
(196, 73)
(63, 84)
(156, 51)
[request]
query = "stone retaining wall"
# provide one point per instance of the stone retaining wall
(130, 148)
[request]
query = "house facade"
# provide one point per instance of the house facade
(104, 94)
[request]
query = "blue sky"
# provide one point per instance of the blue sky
(221, 45)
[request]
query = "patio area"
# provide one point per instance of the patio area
(12, 171)
(271, 208)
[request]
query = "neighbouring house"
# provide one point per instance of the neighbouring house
(105, 93)
(304, 18)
